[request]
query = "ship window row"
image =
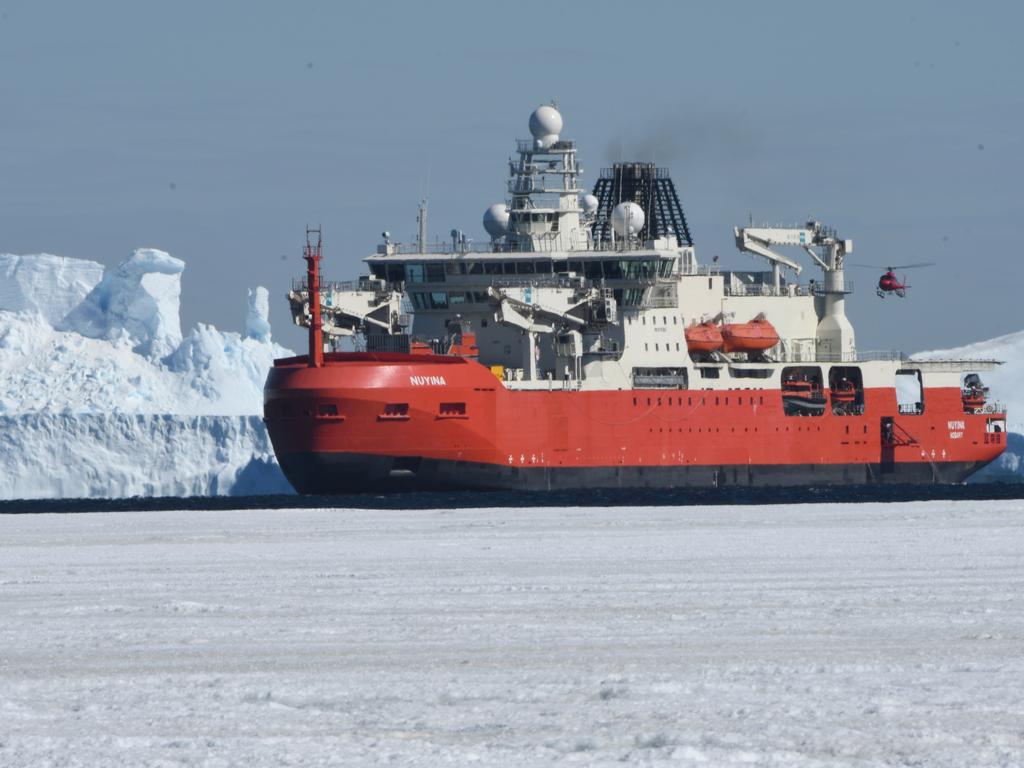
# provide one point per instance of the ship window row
(654, 319)
(446, 299)
(699, 400)
(659, 345)
(436, 272)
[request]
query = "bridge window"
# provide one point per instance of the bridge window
(420, 301)
(438, 300)
(560, 266)
(456, 297)
(414, 273)
(593, 269)
(524, 267)
(613, 270)
(395, 273)
(435, 273)
(633, 297)
(543, 267)
(476, 268)
(510, 267)
(909, 392)
(492, 267)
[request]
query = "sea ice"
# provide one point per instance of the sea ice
(800, 635)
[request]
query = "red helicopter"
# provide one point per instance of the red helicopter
(889, 283)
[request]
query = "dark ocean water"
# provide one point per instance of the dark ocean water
(520, 499)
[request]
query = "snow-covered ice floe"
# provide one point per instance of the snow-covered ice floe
(809, 635)
(102, 395)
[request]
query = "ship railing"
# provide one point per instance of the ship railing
(368, 284)
(883, 355)
(804, 350)
(439, 247)
(529, 145)
(989, 408)
(910, 409)
(700, 270)
(790, 289)
(543, 384)
(446, 248)
(532, 281)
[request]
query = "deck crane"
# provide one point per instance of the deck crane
(568, 312)
(834, 338)
(348, 309)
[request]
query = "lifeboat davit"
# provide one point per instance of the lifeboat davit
(704, 337)
(755, 336)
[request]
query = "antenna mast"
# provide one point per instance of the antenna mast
(421, 219)
(316, 337)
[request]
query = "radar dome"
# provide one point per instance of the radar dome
(589, 204)
(627, 219)
(496, 220)
(546, 122)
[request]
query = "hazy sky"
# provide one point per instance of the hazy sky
(217, 130)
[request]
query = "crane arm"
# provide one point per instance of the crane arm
(757, 240)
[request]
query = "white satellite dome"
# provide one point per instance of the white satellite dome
(545, 142)
(589, 203)
(496, 220)
(627, 219)
(546, 123)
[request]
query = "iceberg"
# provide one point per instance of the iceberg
(139, 301)
(47, 285)
(101, 394)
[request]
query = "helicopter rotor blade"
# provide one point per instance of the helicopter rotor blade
(914, 266)
(895, 266)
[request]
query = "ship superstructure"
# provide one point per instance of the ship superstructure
(586, 316)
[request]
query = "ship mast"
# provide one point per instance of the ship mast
(316, 338)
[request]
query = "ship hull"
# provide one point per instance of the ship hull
(366, 422)
(330, 473)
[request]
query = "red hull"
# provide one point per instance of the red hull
(387, 413)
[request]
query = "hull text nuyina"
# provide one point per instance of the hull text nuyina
(586, 346)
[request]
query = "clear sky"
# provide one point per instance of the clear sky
(217, 130)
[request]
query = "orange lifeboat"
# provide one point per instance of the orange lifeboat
(844, 391)
(705, 337)
(755, 336)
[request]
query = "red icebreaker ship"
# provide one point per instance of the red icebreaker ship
(584, 346)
